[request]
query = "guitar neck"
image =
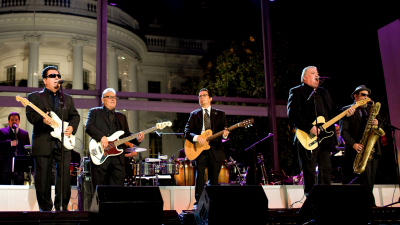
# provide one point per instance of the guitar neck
(131, 137)
(338, 117)
(39, 111)
(220, 133)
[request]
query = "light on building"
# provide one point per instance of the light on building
(15, 66)
(122, 57)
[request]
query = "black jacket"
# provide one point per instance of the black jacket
(6, 151)
(218, 123)
(302, 111)
(97, 126)
(42, 141)
(352, 130)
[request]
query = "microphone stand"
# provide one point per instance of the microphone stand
(61, 105)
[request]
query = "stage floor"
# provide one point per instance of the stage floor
(23, 198)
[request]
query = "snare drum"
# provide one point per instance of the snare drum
(185, 173)
(143, 169)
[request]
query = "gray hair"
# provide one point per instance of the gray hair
(304, 72)
(108, 90)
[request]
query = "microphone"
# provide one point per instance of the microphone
(233, 161)
(60, 81)
(172, 158)
(14, 126)
(319, 78)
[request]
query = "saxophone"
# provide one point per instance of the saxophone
(370, 136)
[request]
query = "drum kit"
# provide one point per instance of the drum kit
(181, 171)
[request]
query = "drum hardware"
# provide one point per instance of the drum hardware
(240, 177)
(261, 162)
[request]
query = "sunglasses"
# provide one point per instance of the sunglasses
(363, 94)
(53, 75)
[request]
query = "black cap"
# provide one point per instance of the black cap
(360, 88)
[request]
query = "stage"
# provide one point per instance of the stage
(23, 197)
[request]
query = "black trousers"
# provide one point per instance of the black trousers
(309, 160)
(110, 172)
(206, 160)
(43, 180)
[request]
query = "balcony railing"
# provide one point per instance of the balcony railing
(87, 8)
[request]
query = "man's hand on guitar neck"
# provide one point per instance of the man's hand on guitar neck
(350, 111)
(225, 133)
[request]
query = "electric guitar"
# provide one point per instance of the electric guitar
(69, 141)
(192, 151)
(98, 154)
(309, 140)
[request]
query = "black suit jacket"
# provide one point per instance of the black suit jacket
(302, 112)
(42, 141)
(218, 123)
(97, 126)
(352, 130)
(6, 151)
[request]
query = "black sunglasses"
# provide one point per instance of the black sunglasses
(53, 75)
(363, 94)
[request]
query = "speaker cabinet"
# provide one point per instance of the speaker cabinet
(84, 192)
(232, 205)
(141, 205)
(338, 204)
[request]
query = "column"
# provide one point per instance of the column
(33, 67)
(77, 83)
(33, 61)
(133, 116)
(113, 68)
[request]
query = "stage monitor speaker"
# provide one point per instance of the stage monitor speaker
(140, 205)
(232, 205)
(84, 192)
(338, 204)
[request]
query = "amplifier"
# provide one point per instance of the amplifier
(84, 192)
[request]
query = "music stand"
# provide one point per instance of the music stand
(23, 163)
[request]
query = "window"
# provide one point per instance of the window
(154, 87)
(10, 75)
(86, 80)
(155, 145)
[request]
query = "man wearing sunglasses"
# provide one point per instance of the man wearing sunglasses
(101, 123)
(352, 130)
(45, 147)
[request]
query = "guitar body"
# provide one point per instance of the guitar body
(308, 140)
(98, 154)
(192, 151)
(69, 142)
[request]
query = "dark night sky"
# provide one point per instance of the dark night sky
(339, 37)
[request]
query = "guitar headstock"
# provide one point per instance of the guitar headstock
(361, 102)
(162, 124)
(24, 101)
(246, 123)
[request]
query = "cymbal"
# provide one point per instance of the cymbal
(135, 149)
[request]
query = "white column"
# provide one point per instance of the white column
(33, 61)
(133, 116)
(77, 83)
(113, 67)
(33, 68)
(77, 63)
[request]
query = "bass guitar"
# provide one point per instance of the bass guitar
(192, 151)
(98, 154)
(69, 141)
(309, 140)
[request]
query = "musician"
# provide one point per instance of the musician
(101, 123)
(12, 142)
(302, 112)
(352, 129)
(199, 121)
(45, 147)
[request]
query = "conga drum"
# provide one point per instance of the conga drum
(223, 177)
(185, 175)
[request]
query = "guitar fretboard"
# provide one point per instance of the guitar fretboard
(133, 136)
(338, 117)
(220, 133)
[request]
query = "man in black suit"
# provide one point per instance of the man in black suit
(303, 113)
(201, 120)
(352, 129)
(45, 147)
(12, 142)
(101, 123)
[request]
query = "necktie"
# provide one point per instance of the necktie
(207, 122)
(111, 115)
